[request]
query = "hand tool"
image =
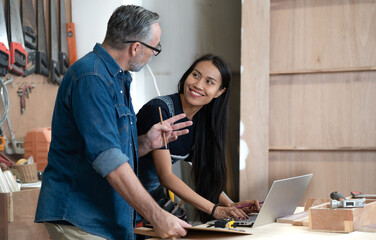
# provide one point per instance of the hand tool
(63, 54)
(18, 55)
(339, 201)
(13, 146)
(54, 61)
(225, 223)
(72, 48)
(29, 27)
(23, 92)
(4, 46)
(357, 194)
(41, 64)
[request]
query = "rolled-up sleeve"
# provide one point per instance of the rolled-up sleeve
(102, 164)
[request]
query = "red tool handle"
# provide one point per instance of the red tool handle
(18, 58)
(4, 59)
(337, 196)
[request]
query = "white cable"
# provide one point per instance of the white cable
(5, 99)
(154, 80)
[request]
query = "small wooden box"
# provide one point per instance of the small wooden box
(17, 212)
(324, 218)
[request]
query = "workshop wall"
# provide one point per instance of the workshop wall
(39, 105)
(321, 94)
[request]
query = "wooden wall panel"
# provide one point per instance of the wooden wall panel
(331, 111)
(323, 110)
(254, 97)
(332, 171)
(319, 34)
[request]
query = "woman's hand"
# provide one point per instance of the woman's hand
(229, 212)
(248, 206)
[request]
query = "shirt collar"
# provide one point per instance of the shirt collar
(112, 66)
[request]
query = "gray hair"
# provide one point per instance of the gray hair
(129, 23)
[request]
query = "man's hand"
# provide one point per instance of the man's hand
(126, 183)
(153, 139)
(170, 226)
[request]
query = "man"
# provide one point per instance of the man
(89, 187)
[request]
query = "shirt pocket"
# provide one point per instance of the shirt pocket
(125, 121)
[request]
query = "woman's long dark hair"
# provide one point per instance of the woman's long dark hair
(208, 155)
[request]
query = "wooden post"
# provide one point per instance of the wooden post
(254, 100)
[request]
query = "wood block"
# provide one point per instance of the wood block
(311, 202)
(323, 218)
(17, 212)
(293, 217)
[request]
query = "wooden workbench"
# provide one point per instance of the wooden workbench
(285, 231)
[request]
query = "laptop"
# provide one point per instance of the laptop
(282, 200)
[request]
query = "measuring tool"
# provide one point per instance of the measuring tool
(339, 201)
(357, 194)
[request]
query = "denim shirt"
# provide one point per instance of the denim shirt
(93, 132)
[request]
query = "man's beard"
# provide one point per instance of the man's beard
(135, 65)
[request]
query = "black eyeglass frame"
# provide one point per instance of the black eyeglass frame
(156, 50)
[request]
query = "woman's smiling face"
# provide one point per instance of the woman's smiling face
(203, 84)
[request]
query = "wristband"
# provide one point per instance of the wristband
(212, 212)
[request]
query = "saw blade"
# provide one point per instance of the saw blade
(15, 26)
(3, 28)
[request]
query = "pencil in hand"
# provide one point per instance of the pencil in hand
(163, 133)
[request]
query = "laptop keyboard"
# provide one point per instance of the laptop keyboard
(246, 222)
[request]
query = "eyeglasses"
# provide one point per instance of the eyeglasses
(156, 51)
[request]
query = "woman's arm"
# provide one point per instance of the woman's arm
(225, 201)
(163, 166)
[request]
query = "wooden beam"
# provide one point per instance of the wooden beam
(254, 100)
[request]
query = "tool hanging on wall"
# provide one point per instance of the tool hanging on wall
(23, 92)
(29, 28)
(42, 64)
(4, 46)
(72, 48)
(54, 61)
(12, 146)
(63, 54)
(18, 55)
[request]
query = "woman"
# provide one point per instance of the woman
(203, 96)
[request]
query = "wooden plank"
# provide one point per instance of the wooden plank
(326, 110)
(10, 208)
(3, 216)
(332, 70)
(301, 148)
(322, 34)
(254, 101)
(332, 171)
(294, 217)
